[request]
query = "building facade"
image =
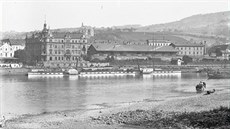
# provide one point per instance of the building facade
(194, 50)
(56, 49)
(9, 46)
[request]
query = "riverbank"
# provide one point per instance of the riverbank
(125, 115)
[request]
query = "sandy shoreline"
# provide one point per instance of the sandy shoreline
(84, 119)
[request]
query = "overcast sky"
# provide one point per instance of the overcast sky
(22, 15)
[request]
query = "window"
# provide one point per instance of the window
(50, 45)
(62, 46)
(55, 46)
(197, 53)
(55, 58)
(50, 51)
(59, 58)
(62, 58)
(73, 46)
(50, 58)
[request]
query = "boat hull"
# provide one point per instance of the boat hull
(45, 74)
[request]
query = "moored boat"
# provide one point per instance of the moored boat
(43, 72)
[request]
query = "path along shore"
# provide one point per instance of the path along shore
(117, 116)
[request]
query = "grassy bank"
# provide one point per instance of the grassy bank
(216, 118)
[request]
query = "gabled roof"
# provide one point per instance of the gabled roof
(132, 48)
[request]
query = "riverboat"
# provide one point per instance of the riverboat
(158, 71)
(43, 72)
(166, 72)
(109, 72)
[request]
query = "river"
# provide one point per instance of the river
(23, 95)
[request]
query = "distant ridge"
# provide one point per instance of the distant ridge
(210, 24)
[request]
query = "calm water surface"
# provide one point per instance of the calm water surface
(23, 95)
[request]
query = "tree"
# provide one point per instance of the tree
(23, 56)
(186, 59)
(218, 52)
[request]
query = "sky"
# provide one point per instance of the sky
(30, 15)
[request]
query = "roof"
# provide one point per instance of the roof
(188, 45)
(14, 41)
(63, 35)
(17, 42)
(159, 41)
(132, 48)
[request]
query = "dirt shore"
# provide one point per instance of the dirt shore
(100, 118)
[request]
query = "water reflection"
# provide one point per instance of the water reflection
(23, 95)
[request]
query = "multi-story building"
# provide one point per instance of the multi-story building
(158, 43)
(56, 49)
(190, 49)
(9, 46)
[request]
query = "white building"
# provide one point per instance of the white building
(9, 46)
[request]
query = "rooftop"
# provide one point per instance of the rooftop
(14, 41)
(132, 48)
(188, 45)
(159, 41)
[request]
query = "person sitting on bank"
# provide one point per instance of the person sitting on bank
(200, 87)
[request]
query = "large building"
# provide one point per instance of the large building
(9, 46)
(127, 52)
(190, 49)
(55, 49)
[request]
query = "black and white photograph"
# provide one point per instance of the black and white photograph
(114, 64)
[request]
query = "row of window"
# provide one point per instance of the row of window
(190, 48)
(64, 40)
(73, 46)
(61, 52)
(191, 53)
(6, 54)
(56, 58)
(159, 44)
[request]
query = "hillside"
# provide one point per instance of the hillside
(137, 37)
(211, 24)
